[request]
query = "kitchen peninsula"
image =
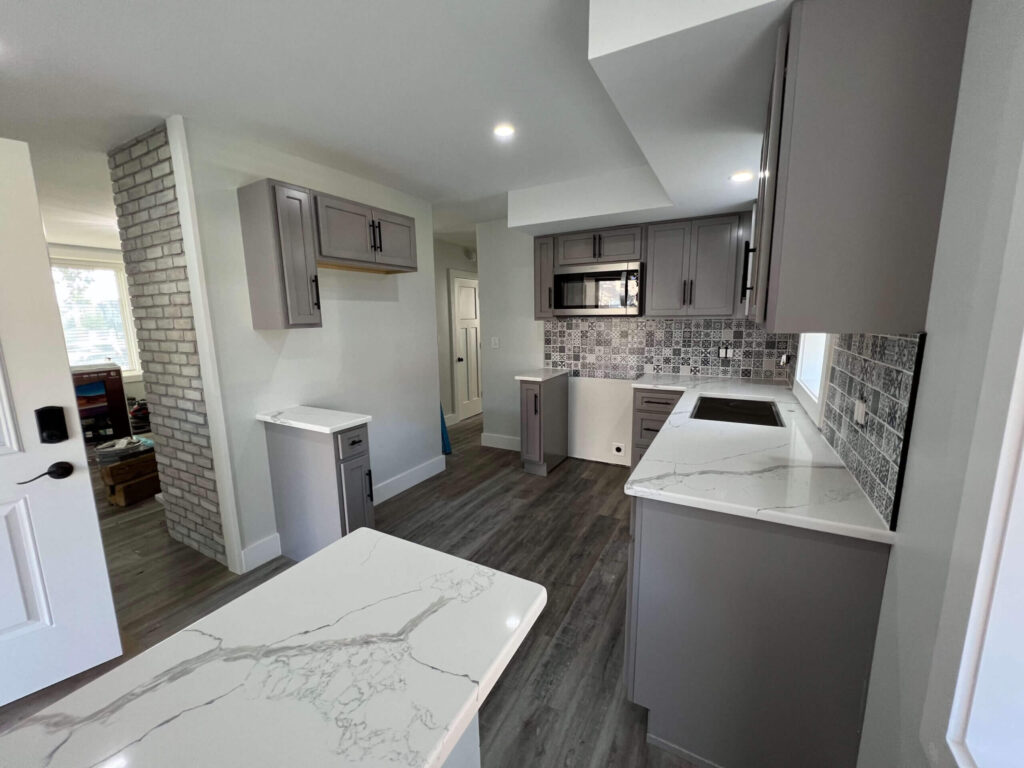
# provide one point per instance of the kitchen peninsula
(372, 651)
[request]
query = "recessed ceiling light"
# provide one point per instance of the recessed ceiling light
(504, 131)
(741, 176)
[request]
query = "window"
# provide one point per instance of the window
(812, 363)
(95, 313)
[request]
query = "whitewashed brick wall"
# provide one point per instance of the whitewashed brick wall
(147, 211)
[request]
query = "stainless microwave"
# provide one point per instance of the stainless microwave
(598, 289)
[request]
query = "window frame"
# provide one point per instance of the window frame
(127, 319)
(814, 406)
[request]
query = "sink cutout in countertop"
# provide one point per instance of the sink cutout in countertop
(741, 411)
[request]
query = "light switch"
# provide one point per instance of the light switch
(860, 412)
(495, 342)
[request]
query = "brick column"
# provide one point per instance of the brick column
(147, 215)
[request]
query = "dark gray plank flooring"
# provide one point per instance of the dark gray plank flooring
(561, 702)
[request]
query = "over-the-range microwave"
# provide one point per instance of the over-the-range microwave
(598, 289)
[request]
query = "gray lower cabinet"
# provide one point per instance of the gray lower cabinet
(651, 408)
(280, 255)
(544, 423)
(618, 244)
(322, 485)
(543, 277)
(691, 267)
(750, 642)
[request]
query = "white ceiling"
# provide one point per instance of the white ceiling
(403, 92)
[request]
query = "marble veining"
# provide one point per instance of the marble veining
(387, 667)
(785, 474)
(322, 420)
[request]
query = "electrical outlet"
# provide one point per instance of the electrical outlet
(729, 351)
(495, 342)
(860, 412)
(722, 351)
(784, 360)
(618, 448)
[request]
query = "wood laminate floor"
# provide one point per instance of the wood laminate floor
(561, 701)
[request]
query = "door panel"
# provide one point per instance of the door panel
(466, 325)
(51, 555)
(295, 222)
(529, 412)
(668, 257)
(343, 229)
(713, 256)
(543, 277)
(354, 474)
(620, 244)
(396, 239)
(580, 248)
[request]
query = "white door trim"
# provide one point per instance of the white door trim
(453, 275)
(182, 166)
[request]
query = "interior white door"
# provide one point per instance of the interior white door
(56, 612)
(466, 327)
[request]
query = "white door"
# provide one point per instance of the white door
(465, 294)
(56, 613)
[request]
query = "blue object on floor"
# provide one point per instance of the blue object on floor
(446, 444)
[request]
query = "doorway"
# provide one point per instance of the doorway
(459, 381)
(464, 291)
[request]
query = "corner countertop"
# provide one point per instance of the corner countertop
(788, 475)
(321, 420)
(542, 374)
(673, 381)
(297, 672)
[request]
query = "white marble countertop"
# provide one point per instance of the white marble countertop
(314, 419)
(787, 474)
(674, 381)
(542, 374)
(374, 651)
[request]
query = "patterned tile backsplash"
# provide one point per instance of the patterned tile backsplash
(880, 371)
(627, 347)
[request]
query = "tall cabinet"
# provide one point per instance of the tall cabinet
(543, 419)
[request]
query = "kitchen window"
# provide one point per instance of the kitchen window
(95, 313)
(810, 385)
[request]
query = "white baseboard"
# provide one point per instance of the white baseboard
(451, 418)
(508, 442)
(672, 749)
(409, 478)
(261, 552)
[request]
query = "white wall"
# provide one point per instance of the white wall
(447, 256)
(505, 266)
(975, 320)
(600, 413)
(376, 352)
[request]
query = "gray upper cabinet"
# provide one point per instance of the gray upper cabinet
(396, 240)
(861, 169)
(543, 277)
(345, 230)
(618, 244)
(713, 255)
(280, 255)
(691, 267)
(668, 264)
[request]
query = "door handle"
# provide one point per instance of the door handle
(315, 279)
(593, 246)
(551, 292)
(600, 247)
(58, 471)
(747, 250)
(380, 239)
(460, 359)
(691, 291)
(373, 236)
(684, 293)
(535, 409)
(369, 476)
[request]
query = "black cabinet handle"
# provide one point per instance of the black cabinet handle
(593, 246)
(684, 293)
(316, 290)
(535, 409)
(747, 250)
(380, 240)
(369, 475)
(357, 441)
(373, 236)
(600, 247)
(691, 292)
(551, 301)
(657, 402)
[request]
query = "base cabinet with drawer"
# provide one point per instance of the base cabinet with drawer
(651, 408)
(322, 481)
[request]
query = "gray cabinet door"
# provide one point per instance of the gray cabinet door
(530, 427)
(357, 494)
(714, 251)
(578, 248)
(344, 229)
(396, 239)
(543, 277)
(668, 265)
(623, 244)
(298, 254)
